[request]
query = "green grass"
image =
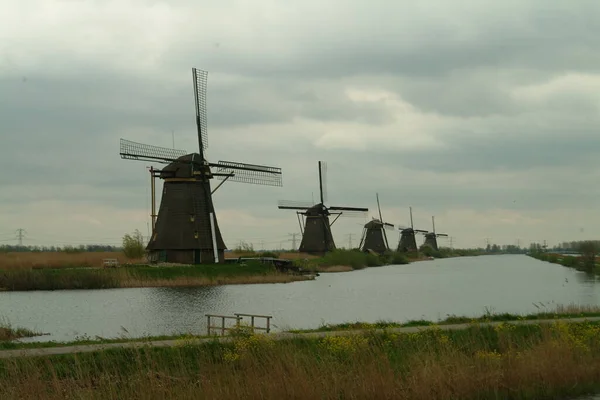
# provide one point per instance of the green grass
(561, 312)
(507, 361)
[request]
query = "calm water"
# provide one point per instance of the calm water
(429, 290)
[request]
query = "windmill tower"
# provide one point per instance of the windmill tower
(316, 227)
(374, 237)
(186, 229)
(431, 237)
(407, 237)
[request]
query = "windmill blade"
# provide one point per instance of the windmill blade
(388, 226)
(145, 152)
(441, 234)
(358, 209)
(249, 173)
(200, 77)
(420, 231)
(296, 204)
(323, 181)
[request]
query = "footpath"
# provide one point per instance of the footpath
(50, 351)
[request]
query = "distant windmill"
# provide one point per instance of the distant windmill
(316, 230)
(407, 237)
(185, 229)
(431, 237)
(374, 237)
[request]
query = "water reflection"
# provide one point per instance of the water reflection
(429, 289)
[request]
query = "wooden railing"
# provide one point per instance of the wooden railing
(238, 317)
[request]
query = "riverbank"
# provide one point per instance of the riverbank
(506, 360)
(61, 271)
(9, 333)
(575, 262)
(143, 276)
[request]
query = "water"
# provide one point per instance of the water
(422, 290)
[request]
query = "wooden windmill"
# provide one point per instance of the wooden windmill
(408, 241)
(431, 237)
(316, 227)
(186, 229)
(374, 237)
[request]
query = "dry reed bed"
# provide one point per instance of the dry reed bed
(184, 281)
(35, 260)
(29, 260)
(528, 362)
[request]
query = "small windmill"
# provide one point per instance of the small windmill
(407, 237)
(185, 229)
(374, 237)
(316, 228)
(431, 237)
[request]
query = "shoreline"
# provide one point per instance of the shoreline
(70, 277)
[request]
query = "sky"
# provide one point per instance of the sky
(484, 114)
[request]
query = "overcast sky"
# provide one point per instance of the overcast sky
(482, 113)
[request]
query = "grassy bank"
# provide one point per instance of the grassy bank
(141, 276)
(8, 333)
(560, 312)
(575, 262)
(507, 361)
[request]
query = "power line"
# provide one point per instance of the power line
(350, 240)
(293, 235)
(20, 234)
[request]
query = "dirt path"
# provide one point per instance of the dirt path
(49, 351)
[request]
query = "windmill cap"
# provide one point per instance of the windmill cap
(183, 167)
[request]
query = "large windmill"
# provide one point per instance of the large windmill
(186, 229)
(374, 237)
(431, 237)
(316, 230)
(407, 236)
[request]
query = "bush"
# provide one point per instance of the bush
(269, 254)
(133, 245)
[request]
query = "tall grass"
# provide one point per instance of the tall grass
(141, 276)
(355, 259)
(37, 260)
(8, 332)
(525, 362)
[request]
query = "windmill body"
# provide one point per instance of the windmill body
(317, 237)
(186, 228)
(316, 226)
(431, 237)
(408, 241)
(374, 237)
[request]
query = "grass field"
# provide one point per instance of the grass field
(560, 360)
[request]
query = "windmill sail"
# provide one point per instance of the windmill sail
(316, 230)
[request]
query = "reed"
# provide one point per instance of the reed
(508, 361)
(59, 259)
(21, 279)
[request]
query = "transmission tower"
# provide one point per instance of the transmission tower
(20, 235)
(293, 235)
(350, 240)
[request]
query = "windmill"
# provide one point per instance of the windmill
(186, 229)
(431, 237)
(374, 237)
(316, 229)
(407, 237)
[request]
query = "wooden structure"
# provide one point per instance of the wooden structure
(223, 328)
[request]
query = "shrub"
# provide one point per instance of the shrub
(133, 245)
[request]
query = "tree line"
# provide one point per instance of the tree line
(66, 249)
